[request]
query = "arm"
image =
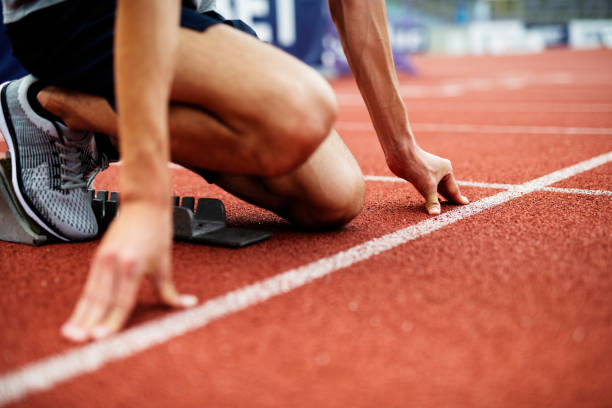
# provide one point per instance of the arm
(146, 41)
(362, 26)
(138, 243)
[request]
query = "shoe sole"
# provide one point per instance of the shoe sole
(8, 137)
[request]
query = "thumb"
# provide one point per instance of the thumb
(433, 204)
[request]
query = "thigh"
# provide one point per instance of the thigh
(326, 191)
(241, 79)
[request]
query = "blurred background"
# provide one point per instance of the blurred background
(447, 27)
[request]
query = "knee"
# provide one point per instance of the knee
(299, 120)
(337, 209)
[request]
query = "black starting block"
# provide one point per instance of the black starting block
(204, 223)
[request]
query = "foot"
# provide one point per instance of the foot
(51, 165)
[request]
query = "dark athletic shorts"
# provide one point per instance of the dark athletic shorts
(70, 45)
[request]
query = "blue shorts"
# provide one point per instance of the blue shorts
(70, 44)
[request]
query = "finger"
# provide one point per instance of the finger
(432, 205)
(127, 282)
(167, 290)
(94, 293)
(101, 296)
(72, 330)
(449, 189)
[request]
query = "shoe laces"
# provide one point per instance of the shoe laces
(71, 167)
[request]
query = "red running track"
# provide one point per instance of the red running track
(507, 307)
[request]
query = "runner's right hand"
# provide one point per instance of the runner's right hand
(138, 243)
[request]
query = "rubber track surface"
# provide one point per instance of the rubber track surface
(509, 307)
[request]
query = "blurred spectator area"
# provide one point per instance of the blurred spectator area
(529, 11)
(459, 27)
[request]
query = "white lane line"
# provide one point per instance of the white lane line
(498, 107)
(578, 191)
(486, 185)
(49, 372)
(499, 129)
(462, 86)
(499, 186)
(391, 179)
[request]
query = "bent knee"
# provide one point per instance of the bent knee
(335, 211)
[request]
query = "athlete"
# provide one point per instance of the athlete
(164, 80)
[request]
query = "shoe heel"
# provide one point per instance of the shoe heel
(15, 225)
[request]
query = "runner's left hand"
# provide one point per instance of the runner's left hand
(430, 175)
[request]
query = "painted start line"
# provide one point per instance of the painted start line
(499, 186)
(51, 371)
(489, 129)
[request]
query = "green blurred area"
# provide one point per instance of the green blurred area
(529, 11)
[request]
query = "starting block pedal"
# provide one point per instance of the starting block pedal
(204, 223)
(208, 225)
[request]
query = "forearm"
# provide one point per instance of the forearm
(146, 41)
(362, 26)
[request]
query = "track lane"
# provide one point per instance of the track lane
(24, 287)
(48, 373)
(37, 280)
(503, 331)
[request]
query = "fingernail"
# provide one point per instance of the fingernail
(434, 210)
(188, 300)
(74, 332)
(100, 332)
(465, 199)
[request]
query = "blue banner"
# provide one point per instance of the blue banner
(304, 29)
(296, 26)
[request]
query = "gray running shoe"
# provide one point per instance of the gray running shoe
(49, 162)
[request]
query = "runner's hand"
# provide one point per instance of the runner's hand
(430, 175)
(138, 243)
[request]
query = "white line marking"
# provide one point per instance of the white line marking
(464, 128)
(501, 186)
(461, 86)
(486, 185)
(578, 191)
(461, 183)
(491, 106)
(354, 101)
(47, 373)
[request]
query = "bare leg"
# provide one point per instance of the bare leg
(260, 130)
(325, 192)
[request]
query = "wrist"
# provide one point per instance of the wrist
(146, 184)
(399, 146)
